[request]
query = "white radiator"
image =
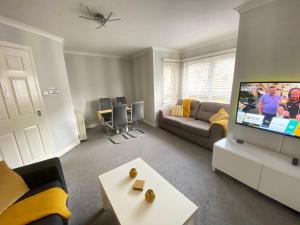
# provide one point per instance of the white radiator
(81, 126)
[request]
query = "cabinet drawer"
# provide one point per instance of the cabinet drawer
(281, 187)
(243, 169)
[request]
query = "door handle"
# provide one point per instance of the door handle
(39, 113)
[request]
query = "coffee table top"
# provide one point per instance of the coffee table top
(170, 207)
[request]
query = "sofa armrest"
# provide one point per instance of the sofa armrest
(165, 111)
(217, 132)
(42, 172)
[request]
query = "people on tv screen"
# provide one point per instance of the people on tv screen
(280, 100)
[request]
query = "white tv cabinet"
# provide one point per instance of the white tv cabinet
(269, 172)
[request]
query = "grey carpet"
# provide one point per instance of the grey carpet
(221, 199)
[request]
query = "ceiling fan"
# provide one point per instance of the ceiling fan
(99, 18)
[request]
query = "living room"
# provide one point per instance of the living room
(197, 57)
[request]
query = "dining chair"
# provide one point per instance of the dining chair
(119, 119)
(137, 114)
(104, 104)
(120, 100)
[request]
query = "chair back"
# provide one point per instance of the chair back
(120, 100)
(105, 103)
(137, 111)
(119, 115)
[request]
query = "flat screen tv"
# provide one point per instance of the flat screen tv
(270, 106)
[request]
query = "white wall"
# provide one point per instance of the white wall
(158, 57)
(51, 71)
(92, 77)
(148, 73)
(268, 50)
(144, 84)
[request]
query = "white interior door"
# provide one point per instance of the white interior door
(24, 133)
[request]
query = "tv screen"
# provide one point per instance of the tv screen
(270, 106)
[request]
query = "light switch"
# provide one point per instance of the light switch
(45, 93)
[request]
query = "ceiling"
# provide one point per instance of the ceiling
(175, 24)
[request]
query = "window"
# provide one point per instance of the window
(170, 82)
(209, 79)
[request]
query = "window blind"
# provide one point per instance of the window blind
(170, 82)
(209, 79)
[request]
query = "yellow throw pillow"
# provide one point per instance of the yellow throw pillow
(220, 115)
(186, 104)
(176, 110)
(12, 186)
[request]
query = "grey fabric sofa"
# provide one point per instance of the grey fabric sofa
(196, 128)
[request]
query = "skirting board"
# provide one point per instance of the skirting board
(97, 123)
(93, 124)
(68, 148)
(151, 124)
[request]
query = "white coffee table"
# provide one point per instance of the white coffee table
(170, 207)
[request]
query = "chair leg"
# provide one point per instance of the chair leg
(125, 136)
(139, 129)
(108, 131)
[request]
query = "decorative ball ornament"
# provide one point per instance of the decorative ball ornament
(149, 195)
(133, 173)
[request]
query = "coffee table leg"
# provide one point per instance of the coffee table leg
(105, 202)
(192, 220)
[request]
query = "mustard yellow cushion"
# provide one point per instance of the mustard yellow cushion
(176, 110)
(220, 115)
(12, 186)
(186, 104)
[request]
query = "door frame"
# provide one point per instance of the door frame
(36, 81)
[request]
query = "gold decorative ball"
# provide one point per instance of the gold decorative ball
(133, 173)
(149, 195)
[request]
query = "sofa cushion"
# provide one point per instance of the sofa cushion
(176, 121)
(197, 127)
(176, 110)
(12, 186)
(220, 115)
(194, 107)
(208, 109)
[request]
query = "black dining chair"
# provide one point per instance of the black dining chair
(104, 104)
(121, 100)
(137, 114)
(119, 119)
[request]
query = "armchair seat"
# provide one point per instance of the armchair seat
(39, 177)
